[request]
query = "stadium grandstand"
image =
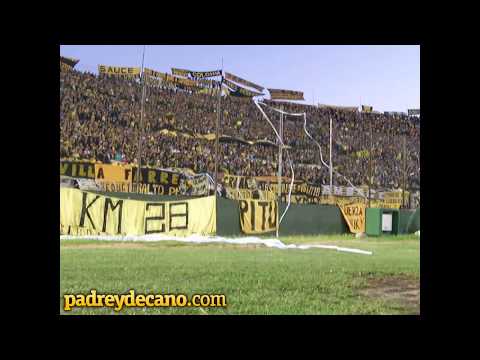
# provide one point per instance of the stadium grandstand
(180, 185)
(100, 121)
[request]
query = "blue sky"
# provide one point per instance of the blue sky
(386, 77)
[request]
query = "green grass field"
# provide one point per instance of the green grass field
(255, 279)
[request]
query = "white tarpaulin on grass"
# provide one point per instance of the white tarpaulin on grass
(198, 239)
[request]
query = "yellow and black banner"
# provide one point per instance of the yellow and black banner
(205, 74)
(108, 175)
(258, 217)
(239, 80)
(246, 194)
(119, 71)
(86, 213)
(367, 108)
(340, 108)
(157, 181)
(187, 82)
(180, 72)
(123, 178)
(181, 81)
(280, 94)
(392, 200)
(240, 187)
(244, 92)
(231, 85)
(67, 64)
(153, 73)
(209, 83)
(77, 169)
(354, 215)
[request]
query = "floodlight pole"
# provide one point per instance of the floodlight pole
(279, 175)
(217, 132)
(140, 128)
(404, 168)
(370, 164)
(331, 168)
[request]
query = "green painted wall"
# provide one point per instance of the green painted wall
(306, 219)
(299, 220)
(228, 218)
(414, 222)
(409, 221)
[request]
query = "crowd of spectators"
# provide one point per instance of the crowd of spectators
(100, 120)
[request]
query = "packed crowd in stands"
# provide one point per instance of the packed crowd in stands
(100, 120)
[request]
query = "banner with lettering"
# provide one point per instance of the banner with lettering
(153, 73)
(205, 74)
(239, 80)
(245, 194)
(393, 199)
(186, 82)
(82, 169)
(208, 83)
(354, 215)
(86, 213)
(107, 175)
(281, 94)
(119, 71)
(413, 111)
(242, 92)
(231, 85)
(152, 181)
(180, 81)
(258, 217)
(180, 72)
(266, 187)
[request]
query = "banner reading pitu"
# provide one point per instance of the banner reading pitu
(258, 217)
(86, 213)
(354, 215)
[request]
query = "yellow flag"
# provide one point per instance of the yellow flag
(354, 215)
(257, 216)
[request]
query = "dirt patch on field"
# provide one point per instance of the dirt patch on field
(401, 290)
(105, 246)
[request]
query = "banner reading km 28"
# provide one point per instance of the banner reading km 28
(85, 213)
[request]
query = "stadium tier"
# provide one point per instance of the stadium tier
(100, 117)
